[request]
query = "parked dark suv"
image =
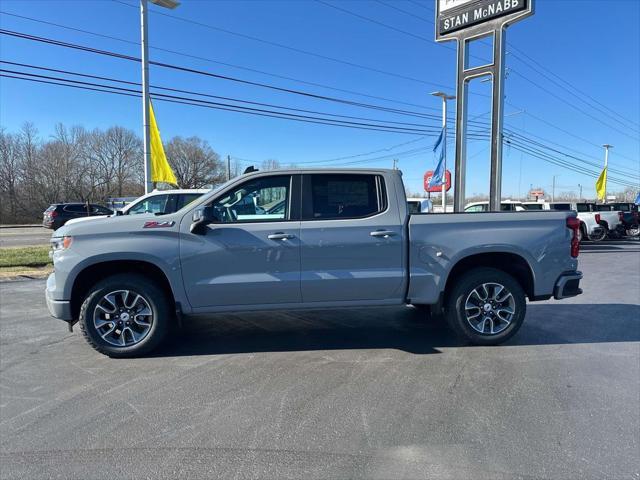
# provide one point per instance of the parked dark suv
(59, 213)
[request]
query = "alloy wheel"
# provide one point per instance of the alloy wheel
(490, 308)
(123, 318)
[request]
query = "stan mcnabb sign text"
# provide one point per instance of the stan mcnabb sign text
(457, 15)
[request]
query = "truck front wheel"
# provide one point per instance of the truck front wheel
(486, 307)
(125, 316)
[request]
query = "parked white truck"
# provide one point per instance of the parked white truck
(296, 239)
(590, 222)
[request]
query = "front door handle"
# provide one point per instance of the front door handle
(383, 233)
(280, 236)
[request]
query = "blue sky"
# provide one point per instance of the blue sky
(594, 45)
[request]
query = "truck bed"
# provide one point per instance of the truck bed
(438, 242)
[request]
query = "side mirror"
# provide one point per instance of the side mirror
(202, 217)
(119, 212)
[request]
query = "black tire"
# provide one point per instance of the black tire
(456, 313)
(599, 237)
(155, 297)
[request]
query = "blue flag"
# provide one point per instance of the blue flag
(438, 174)
(637, 202)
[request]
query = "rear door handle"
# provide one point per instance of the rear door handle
(383, 233)
(280, 236)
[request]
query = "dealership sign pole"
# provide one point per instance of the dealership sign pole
(467, 21)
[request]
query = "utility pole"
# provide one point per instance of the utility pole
(606, 164)
(444, 97)
(553, 189)
(395, 163)
(144, 43)
(228, 167)
(580, 187)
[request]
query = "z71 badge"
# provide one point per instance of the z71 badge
(154, 224)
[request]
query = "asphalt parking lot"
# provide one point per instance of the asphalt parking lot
(363, 393)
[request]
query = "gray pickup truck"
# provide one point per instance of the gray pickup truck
(296, 239)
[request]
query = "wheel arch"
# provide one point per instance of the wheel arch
(92, 274)
(511, 263)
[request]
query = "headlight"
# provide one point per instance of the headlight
(60, 243)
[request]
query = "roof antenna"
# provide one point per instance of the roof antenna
(250, 169)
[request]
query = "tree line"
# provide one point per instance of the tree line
(76, 164)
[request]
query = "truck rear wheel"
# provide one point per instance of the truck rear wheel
(486, 307)
(125, 316)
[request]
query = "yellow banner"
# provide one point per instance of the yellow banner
(160, 168)
(601, 185)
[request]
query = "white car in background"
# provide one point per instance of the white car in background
(505, 206)
(157, 201)
(590, 222)
(419, 205)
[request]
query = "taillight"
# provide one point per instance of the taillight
(621, 216)
(53, 214)
(635, 216)
(574, 224)
(597, 218)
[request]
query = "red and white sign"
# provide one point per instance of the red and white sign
(436, 189)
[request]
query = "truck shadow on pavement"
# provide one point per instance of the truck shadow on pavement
(400, 328)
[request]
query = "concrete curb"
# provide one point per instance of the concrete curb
(31, 225)
(24, 278)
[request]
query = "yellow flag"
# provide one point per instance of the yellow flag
(601, 184)
(160, 168)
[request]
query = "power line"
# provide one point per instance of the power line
(192, 102)
(206, 59)
(288, 47)
(379, 107)
(427, 40)
(570, 85)
(617, 117)
(55, 42)
(111, 79)
(214, 105)
(75, 46)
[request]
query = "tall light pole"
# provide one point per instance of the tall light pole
(606, 164)
(144, 42)
(553, 189)
(444, 97)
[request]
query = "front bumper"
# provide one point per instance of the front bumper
(568, 285)
(60, 309)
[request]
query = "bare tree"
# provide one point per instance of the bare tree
(9, 180)
(194, 162)
(270, 164)
(79, 165)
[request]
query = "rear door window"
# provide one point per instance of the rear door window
(343, 196)
(561, 206)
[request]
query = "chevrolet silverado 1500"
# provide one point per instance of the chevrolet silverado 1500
(295, 239)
